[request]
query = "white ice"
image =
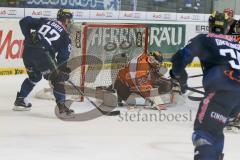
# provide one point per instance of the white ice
(39, 135)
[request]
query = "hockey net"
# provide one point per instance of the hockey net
(100, 50)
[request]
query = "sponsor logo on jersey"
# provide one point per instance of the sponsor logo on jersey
(218, 117)
(227, 37)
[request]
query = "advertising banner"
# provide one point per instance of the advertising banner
(80, 14)
(167, 38)
(161, 16)
(41, 12)
(11, 47)
(97, 14)
(11, 12)
(191, 17)
(127, 15)
(75, 4)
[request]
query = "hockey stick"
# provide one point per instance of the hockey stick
(195, 90)
(193, 98)
(194, 76)
(113, 113)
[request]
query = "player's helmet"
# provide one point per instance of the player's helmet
(64, 14)
(229, 12)
(218, 23)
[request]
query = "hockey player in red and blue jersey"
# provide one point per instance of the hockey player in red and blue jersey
(219, 55)
(45, 53)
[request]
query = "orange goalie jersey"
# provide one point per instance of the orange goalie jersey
(140, 76)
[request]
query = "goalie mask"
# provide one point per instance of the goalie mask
(218, 23)
(155, 59)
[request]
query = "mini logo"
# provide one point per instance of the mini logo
(78, 14)
(128, 14)
(195, 17)
(46, 13)
(157, 16)
(100, 14)
(139, 39)
(3, 12)
(167, 16)
(37, 13)
(109, 14)
(12, 12)
(78, 39)
(185, 17)
(137, 15)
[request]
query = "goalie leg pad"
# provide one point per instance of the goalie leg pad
(110, 98)
(135, 99)
(164, 85)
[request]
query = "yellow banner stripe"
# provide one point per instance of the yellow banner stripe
(12, 71)
(18, 71)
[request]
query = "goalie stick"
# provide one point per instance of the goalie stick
(194, 76)
(113, 113)
(193, 89)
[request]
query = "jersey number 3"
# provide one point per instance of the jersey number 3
(52, 36)
(234, 55)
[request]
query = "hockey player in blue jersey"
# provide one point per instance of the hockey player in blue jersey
(46, 50)
(219, 55)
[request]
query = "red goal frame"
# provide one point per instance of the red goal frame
(84, 44)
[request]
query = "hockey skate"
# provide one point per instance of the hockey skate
(63, 109)
(21, 104)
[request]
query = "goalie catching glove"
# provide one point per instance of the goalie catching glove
(179, 82)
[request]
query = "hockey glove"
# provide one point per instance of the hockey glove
(179, 81)
(63, 74)
(57, 76)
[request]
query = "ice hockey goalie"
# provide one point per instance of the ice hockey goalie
(143, 77)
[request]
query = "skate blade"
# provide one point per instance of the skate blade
(20, 108)
(65, 116)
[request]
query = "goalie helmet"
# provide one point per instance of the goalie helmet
(155, 59)
(157, 55)
(64, 14)
(218, 23)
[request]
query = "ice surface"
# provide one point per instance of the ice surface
(39, 135)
